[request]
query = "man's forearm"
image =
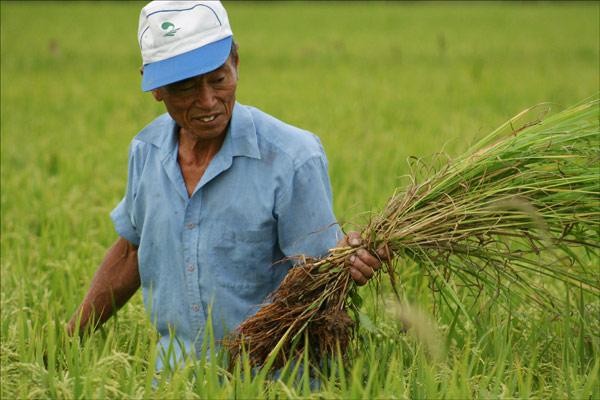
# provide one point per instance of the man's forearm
(114, 283)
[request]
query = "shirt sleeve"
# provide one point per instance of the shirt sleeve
(306, 222)
(122, 215)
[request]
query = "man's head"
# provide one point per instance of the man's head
(182, 39)
(203, 105)
(190, 63)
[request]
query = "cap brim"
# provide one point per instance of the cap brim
(196, 62)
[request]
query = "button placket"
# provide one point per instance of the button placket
(190, 237)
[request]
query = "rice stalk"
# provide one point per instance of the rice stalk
(514, 214)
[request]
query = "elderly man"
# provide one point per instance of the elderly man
(219, 194)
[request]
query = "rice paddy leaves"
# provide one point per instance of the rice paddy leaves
(378, 82)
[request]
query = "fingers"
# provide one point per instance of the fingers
(358, 277)
(369, 259)
(384, 253)
(354, 239)
(362, 266)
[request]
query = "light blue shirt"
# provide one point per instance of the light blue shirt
(265, 196)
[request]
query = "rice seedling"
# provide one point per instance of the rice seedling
(514, 214)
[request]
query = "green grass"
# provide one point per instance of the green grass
(378, 83)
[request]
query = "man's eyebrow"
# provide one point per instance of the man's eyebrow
(181, 82)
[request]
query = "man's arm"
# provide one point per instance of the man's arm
(114, 283)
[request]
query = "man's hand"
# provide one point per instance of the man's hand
(362, 264)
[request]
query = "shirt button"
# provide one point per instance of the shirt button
(190, 226)
(195, 307)
(190, 268)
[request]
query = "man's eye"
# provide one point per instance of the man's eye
(181, 88)
(188, 88)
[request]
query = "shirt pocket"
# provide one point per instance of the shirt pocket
(243, 257)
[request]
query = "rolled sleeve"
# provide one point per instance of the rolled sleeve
(122, 214)
(306, 222)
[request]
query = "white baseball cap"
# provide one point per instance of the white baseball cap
(182, 39)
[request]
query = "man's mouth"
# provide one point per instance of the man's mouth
(206, 118)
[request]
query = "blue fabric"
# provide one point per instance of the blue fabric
(265, 196)
(192, 63)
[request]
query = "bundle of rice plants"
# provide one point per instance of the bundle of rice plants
(508, 216)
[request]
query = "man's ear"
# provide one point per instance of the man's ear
(235, 63)
(157, 95)
(234, 59)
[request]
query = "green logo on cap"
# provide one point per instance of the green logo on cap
(169, 27)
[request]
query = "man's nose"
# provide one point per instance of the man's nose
(205, 96)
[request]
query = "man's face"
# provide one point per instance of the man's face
(202, 105)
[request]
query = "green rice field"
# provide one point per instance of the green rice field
(378, 82)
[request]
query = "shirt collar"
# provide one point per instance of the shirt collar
(242, 133)
(240, 138)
